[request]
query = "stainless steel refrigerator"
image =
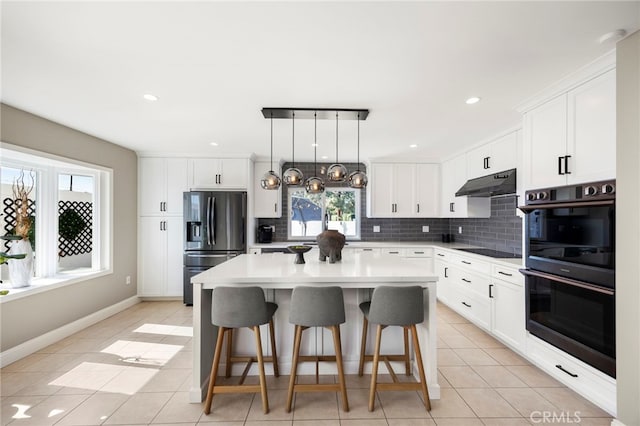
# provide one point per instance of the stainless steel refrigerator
(215, 227)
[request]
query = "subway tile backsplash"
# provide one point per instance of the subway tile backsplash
(502, 231)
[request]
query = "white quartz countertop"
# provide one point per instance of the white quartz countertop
(276, 270)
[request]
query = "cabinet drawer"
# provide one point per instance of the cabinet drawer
(473, 264)
(584, 379)
(507, 274)
(419, 252)
(470, 282)
(470, 306)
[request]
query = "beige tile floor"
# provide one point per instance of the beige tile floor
(134, 368)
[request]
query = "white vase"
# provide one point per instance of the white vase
(20, 270)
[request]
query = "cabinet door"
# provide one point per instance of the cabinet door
(177, 181)
(545, 139)
(427, 190)
(448, 184)
(508, 312)
(152, 189)
(152, 256)
(458, 178)
(592, 130)
(504, 154)
(443, 269)
(477, 160)
(174, 249)
(266, 202)
(380, 190)
(233, 173)
(205, 173)
(404, 183)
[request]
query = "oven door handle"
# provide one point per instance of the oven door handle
(567, 281)
(529, 209)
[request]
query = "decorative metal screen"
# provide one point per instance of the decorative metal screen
(82, 242)
(9, 210)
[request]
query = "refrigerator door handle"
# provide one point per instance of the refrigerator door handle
(211, 221)
(210, 255)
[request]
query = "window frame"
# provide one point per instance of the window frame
(47, 168)
(358, 211)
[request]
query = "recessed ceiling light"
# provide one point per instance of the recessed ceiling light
(314, 145)
(613, 36)
(324, 157)
(213, 144)
(413, 145)
(472, 100)
(150, 97)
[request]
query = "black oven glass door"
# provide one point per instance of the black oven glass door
(574, 316)
(578, 235)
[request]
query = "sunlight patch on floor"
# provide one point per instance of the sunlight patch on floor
(135, 352)
(121, 379)
(169, 330)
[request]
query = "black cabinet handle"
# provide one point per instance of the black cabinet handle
(275, 207)
(440, 254)
(394, 252)
(465, 262)
(446, 269)
(490, 292)
(366, 249)
(465, 304)
(566, 164)
(560, 172)
(466, 280)
(418, 206)
(558, 366)
(504, 273)
(488, 166)
(451, 207)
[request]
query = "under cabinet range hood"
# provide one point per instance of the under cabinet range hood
(502, 183)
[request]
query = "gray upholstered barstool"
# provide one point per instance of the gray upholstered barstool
(237, 307)
(317, 307)
(400, 306)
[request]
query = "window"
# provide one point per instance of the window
(70, 210)
(339, 208)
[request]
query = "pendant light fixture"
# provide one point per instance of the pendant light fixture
(314, 185)
(270, 180)
(293, 176)
(358, 179)
(337, 172)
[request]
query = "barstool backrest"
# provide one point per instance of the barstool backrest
(397, 305)
(236, 307)
(317, 306)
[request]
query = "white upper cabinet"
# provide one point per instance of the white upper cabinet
(427, 190)
(216, 173)
(493, 157)
(391, 190)
(266, 202)
(162, 182)
(454, 175)
(572, 137)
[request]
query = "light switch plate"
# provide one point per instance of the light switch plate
(425, 228)
(459, 229)
(376, 228)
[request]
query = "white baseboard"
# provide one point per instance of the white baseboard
(30, 346)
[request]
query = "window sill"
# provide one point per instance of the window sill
(41, 285)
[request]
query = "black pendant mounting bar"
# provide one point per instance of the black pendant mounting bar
(323, 113)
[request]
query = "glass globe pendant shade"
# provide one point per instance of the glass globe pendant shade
(358, 179)
(314, 185)
(293, 177)
(270, 180)
(337, 173)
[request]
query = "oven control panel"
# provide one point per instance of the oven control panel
(603, 190)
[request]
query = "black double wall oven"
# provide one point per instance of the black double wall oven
(570, 270)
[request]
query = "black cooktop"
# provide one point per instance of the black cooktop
(491, 253)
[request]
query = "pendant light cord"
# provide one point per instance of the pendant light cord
(337, 138)
(358, 165)
(293, 139)
(271, 165)
(315, 142)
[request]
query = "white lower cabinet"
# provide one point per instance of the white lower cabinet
(506, 292)
(160, 257)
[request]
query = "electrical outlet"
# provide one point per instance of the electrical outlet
(459, 229)
(376, 228)
(425, 228)
(127, 280)
(273, 229)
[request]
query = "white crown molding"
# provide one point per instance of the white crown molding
(591, 70)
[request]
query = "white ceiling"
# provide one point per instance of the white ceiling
(214, 65)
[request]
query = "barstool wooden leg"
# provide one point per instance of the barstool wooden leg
(214, 369)
(363, 345)
(274, 354)
(337, 343)
(374, 371)
(407, 359)
(294, 366)
(263, 379)
(423, 380)
(229, 352)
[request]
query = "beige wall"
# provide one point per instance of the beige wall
(628, 230)
(29, 317)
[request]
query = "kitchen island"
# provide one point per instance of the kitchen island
(358, 274)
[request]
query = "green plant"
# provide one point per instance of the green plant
(70, 224)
